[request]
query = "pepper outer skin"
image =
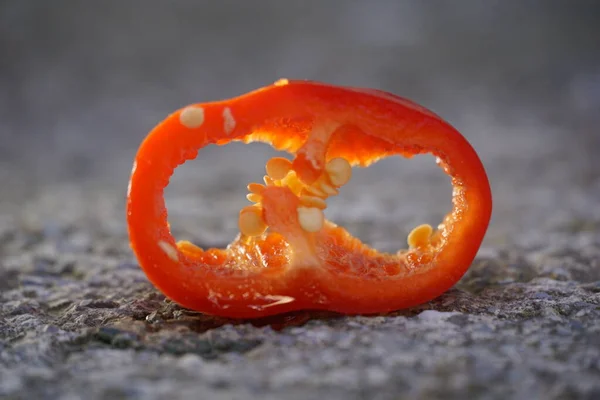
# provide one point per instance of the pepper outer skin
(372, 125)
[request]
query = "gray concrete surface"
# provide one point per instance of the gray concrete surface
(81, 84)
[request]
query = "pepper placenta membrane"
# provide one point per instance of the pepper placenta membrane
(287, 255)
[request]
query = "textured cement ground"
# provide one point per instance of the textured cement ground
(78, 319)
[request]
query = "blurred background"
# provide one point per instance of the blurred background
(81, 84)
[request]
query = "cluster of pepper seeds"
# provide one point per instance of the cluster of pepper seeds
(337, 173)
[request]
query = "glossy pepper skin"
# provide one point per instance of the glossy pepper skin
(301, 261)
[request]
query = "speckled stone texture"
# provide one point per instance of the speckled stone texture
(79, 320)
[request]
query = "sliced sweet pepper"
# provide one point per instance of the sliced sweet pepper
(288, 256)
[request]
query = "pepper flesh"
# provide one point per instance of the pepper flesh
(280, 267)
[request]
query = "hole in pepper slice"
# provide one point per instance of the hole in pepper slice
(287, 256)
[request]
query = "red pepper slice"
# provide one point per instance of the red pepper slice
(287, 256)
